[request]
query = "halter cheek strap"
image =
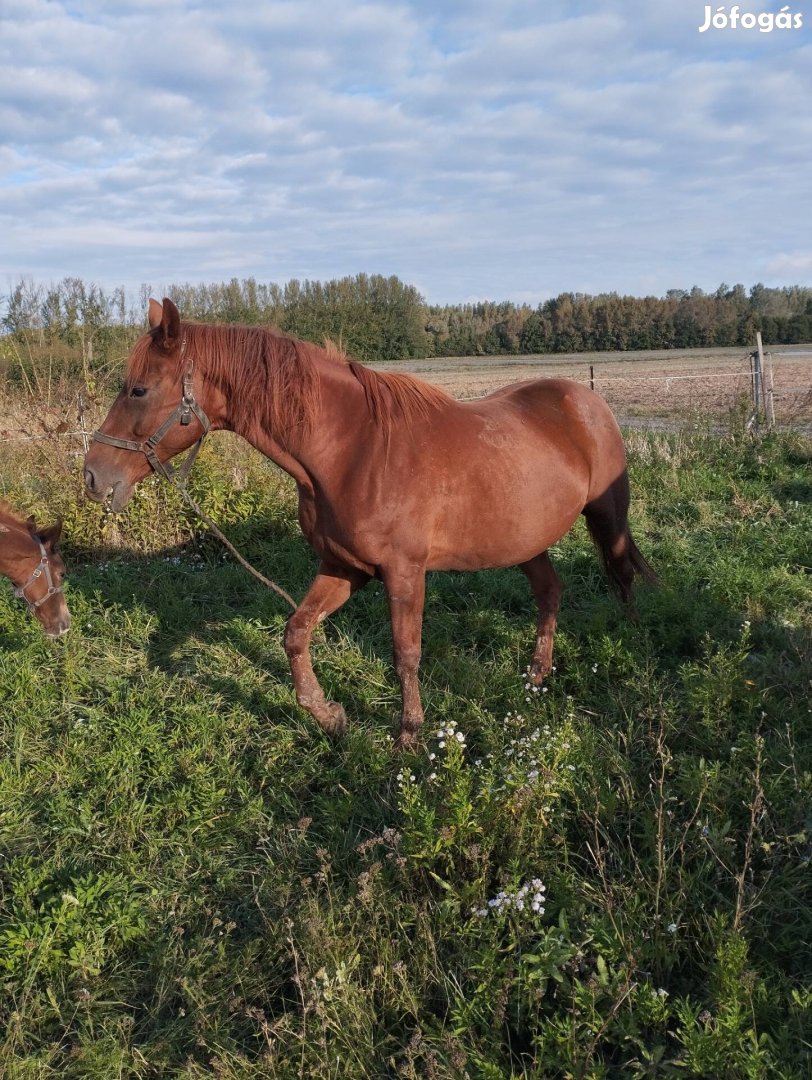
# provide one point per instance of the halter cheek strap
(183, 413)
(43, 568)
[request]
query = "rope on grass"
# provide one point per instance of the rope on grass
(267, 582)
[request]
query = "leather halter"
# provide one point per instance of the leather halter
(43, 568)
(182, 415)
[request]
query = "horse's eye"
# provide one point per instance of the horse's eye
(138, 391)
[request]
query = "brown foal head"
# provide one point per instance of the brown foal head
(37, 571)
(153, 389)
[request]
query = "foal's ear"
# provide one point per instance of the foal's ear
(31, 524)
(165, 319)
(50, 536)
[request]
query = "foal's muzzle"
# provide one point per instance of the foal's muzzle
(55, 627)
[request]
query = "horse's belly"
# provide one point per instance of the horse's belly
(503, 527)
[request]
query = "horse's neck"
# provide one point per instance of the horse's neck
(8, 525)
(10, 543)
(341, 409)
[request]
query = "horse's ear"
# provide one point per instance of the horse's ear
(156, 313)
(31, 523)
(50, 536)
(165, 320)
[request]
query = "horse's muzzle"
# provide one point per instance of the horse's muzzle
(91, 487)
(115, 495)
(60, 627)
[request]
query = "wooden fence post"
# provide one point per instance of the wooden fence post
(771, 394)
(760, 371)
(757, 382)
(81, 417)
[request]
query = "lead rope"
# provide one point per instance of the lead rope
(181, 487)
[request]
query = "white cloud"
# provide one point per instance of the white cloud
(471, 148)
(791, 265)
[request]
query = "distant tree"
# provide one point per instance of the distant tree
(24, 308)
(536, 336)
(380, 318)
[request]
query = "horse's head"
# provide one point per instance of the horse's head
(155, 416)
(38, 572)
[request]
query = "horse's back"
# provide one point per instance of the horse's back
(555, 401)
(562, 409)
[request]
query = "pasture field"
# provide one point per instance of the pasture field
(609, 878)
(662, 387)
(655, 389)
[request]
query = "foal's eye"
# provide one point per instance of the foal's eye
(138, 391)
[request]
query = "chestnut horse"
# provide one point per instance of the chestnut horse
(394, 477)
(29, 557)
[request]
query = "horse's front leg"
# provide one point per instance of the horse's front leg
(547, 588)
(406, 590)
(331, 587)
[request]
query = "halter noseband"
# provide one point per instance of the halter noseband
(182, 415)
(43, 568)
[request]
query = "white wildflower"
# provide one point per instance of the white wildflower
(531, 895)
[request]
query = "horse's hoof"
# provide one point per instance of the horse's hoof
(405, 740)
(335, 722)
(538, 673)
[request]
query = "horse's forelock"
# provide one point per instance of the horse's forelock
(144, 355)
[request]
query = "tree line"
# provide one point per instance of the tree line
(381, 318)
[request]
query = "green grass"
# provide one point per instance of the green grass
(195, 882)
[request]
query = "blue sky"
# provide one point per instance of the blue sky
(476, 150)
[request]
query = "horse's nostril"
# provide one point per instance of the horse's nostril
(90, 480)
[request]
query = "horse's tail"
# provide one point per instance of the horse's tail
(641, 565)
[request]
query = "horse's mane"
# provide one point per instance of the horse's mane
(391, 395)
(9, 518)
(278, 387)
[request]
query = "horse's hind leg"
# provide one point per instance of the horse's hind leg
(331, 587)
(547, 589)
(607, 521)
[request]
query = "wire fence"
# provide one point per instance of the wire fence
(644, 391)
(769, 391)
(660, 389)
